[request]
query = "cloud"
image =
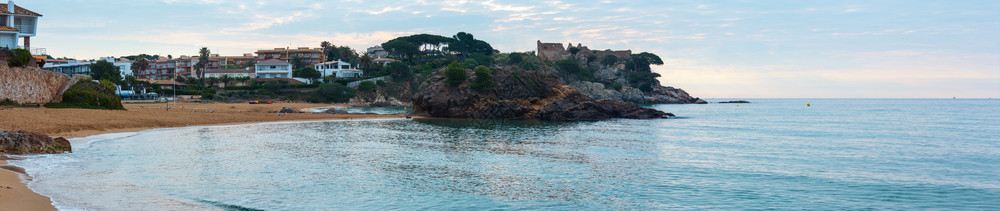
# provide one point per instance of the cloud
(498, 7)
(385, 10)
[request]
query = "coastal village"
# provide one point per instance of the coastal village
(414, 76)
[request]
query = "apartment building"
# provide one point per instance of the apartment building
(311, 56)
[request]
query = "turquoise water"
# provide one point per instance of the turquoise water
(771, 154)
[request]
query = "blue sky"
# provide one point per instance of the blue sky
(712, 49)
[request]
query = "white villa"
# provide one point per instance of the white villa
(273, 68)
(232, 73)
(339, 69)
(17, 22)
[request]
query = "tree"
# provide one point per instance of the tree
(467, 44)
(400, 71)
(212, 81)
(401, 48)
(203, 64)
(140, 66)
(483, 80)
(609, 60)
(325, 45)
(332, 92)
(454, 74)
(104, 70)
(470, 63)
(367, 86)
(366, 62)
(225, 79)
(298, 62)
(574, 50)
(514, 58)
(306, 72)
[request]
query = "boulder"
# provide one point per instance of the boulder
(24, 142)
(520, 94)
(287, 110)
(334, 111)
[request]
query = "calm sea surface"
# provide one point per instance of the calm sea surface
(771, 154)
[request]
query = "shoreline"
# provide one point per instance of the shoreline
(76, 124)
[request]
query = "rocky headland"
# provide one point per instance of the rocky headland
(519, 94)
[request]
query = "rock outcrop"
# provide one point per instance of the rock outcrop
(23, 142)
(520, 94)
(287, 110)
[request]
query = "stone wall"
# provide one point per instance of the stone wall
(29, 85)
(551, 51)
(556, 52)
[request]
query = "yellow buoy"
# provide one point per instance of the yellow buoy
(807, 105)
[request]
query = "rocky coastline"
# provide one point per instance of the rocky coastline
(520, 94)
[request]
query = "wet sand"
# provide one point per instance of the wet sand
(75, 123)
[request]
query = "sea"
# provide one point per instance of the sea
(785, 154)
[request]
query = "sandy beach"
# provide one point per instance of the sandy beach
(74, 123)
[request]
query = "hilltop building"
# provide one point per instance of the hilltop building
(377, 52)
(17, 22)
(556, 52)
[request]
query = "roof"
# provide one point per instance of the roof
(273, 61)
(229, 71)
(168, 82)
(18, 10)
(8, 28)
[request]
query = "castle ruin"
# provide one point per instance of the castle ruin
(556, 52)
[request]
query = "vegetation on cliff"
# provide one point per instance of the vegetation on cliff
(90, 95)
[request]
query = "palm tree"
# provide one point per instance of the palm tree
(225, 80)
(203, 64)
(366, 61)
(140, 66)
(213, 81)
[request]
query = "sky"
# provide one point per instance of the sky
(711, 49)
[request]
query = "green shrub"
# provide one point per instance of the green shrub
(455, 74)
(89, 94)
(483, 80)
(514, 58)
(367, 86)
(208, 94)
(591, 58)
(21, 58)
(609, 60)
(470, 63)
(616, 86)
(528, 66)
(332, 93)
(380, 83)
(572, 68)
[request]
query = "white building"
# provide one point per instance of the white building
(17, 22)
(273, 68)
(232, 73)
(337, 69)
(69, 67)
